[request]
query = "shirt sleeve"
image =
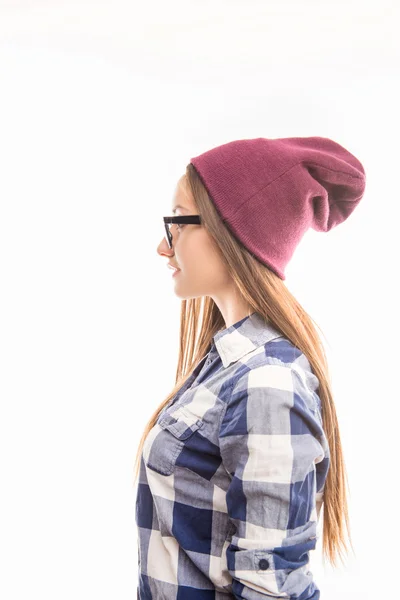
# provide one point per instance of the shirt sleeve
(273, 445)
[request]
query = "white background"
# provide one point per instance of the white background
(102, 105)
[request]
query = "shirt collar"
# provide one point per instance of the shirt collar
(243, 337)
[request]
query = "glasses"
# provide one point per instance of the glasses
(186, 220)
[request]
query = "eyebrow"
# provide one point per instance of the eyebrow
(179, 206)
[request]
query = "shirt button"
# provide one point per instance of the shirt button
(263, 564)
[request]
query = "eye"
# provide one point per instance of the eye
(180, 225)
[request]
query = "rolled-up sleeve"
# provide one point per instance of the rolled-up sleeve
(273, 445)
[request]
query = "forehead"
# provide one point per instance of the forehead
(182, 200)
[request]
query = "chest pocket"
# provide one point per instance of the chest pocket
(171, 440)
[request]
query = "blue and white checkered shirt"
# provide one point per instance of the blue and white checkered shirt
(232, 475)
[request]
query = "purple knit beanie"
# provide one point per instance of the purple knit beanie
(270, 191)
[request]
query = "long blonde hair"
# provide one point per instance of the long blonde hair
(268, 295)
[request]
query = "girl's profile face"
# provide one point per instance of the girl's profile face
(202, 271)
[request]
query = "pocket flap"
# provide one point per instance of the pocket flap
(181, 423)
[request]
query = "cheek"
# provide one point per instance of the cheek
(206, 259)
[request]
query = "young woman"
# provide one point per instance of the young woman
(236, 463)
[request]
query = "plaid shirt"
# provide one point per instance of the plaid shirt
(232, 474)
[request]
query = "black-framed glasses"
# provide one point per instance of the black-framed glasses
(181, 220)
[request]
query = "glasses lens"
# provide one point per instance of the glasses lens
(168, 234)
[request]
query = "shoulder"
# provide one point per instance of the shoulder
(277, 372)
(276, 362)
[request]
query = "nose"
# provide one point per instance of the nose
(163, 248)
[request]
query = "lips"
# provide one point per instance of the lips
(173, 268)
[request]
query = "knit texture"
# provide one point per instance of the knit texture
(269, 192)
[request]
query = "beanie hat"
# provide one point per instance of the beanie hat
(270, 191)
